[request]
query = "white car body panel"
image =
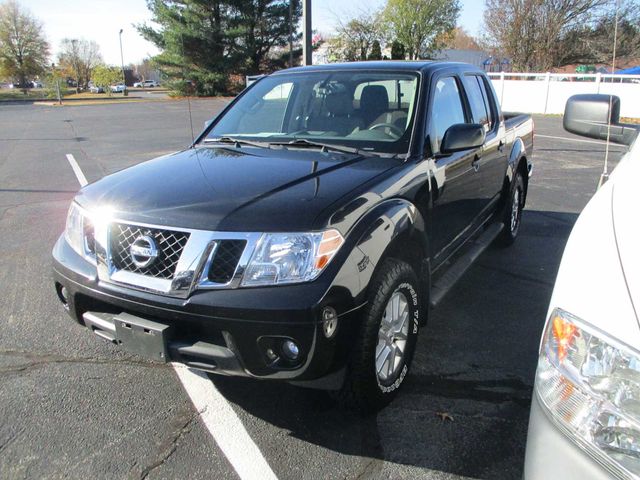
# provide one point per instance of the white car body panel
(626, 200)
(591, 282)
(599, 282)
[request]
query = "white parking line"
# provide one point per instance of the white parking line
(76, 169)
(217, 415)
(224, 425)
(571, 139)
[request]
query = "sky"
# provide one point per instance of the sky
(101, 20)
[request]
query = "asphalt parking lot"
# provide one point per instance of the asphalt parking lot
(73, 406)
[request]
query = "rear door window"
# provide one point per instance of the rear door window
(490, 105)
(479, 108)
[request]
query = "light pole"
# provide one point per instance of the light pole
(290, 33)
(124, 81)
(306, 32)
(76, 60)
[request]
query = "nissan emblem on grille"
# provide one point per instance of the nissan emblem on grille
(143, 251)
(129, 252)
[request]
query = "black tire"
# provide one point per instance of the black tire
(363, 390)
(511, 224)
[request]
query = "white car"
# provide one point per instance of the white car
(585, 411)
(119, 88)
(146, 84)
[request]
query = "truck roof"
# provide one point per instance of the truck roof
(392, 65)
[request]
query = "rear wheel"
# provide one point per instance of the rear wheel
(386, 341)
(512, 215)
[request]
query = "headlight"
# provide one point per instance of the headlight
(291, 257)
(79, 232)
(590, 383)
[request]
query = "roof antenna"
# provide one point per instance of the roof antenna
(605, 172)
(188, 90)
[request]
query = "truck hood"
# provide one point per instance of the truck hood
(234, 189)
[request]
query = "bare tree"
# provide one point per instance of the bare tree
(541, 34)
(24, 51)
(459, 39)
(79, 58)
(145, 69)
(594, 43)
(355, 38)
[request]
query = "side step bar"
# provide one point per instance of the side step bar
(442, 286)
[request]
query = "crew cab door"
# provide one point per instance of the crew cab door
(492, 162)
(456, 191)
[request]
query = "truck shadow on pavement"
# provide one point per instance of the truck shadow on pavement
(464, 407)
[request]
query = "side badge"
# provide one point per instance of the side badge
(363, 264)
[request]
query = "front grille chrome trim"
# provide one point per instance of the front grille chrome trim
(191, 272)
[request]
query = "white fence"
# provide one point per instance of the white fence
(548, 93)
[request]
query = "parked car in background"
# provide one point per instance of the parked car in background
(95, 89)
(585, 411)
(119, 88)
(146, 84)
(306, 233)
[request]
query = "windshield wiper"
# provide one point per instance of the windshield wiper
(304, 143)
(236, 142)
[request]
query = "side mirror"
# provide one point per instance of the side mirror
(589, 115)
(462, 136)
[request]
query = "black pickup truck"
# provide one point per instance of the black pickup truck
(307, 231)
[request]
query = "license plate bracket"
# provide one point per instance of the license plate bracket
(142, 337)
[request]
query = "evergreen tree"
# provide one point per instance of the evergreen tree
(397, 51)
(376, 51)
(204, 42)
(261, 26)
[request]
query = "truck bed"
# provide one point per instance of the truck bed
(519, 125)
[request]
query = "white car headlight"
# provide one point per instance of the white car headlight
(79, 232)
(590, 384)
(291, 257)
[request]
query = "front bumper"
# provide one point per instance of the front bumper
(551, 454)
(227, 332)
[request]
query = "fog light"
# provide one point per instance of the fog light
(63, 295)
(329, 321)
(290, 349)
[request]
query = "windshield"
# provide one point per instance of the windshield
(370, 111)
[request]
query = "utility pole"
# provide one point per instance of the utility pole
(306, 32)
(124, 81)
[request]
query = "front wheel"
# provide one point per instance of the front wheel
(512, 215)
(386, 341)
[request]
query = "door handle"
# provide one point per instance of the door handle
(500, 146)
(476, 163)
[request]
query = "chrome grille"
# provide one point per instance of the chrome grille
(225, 260)
(170, 245)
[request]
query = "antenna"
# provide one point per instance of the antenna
(188, 89)
(605, 172)
(193, 138)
